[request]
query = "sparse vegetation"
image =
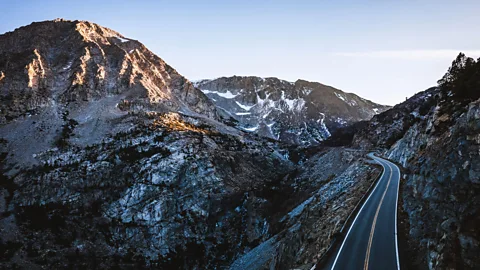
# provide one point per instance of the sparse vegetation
(462, 80)
(67, 131)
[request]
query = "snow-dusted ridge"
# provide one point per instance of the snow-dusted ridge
(227, 94)
(301, 111)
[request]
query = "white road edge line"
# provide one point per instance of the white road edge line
(360, 211)
(396, 208)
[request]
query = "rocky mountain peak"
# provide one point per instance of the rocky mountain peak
(64, 61)
(55, 73)
(43, 32)
(300, 112)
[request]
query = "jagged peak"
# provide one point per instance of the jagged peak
(88, 61)
(266, 79)
(298, 82)
(57, 21)
(49, 29)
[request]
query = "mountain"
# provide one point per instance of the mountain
(301, 112)
(57, 74)
(74, 61)
(110, 159)
(434, 135)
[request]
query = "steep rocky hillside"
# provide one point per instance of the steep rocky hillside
(301, 112)
(435, 136)
(171, 192)
(325, 190)
(59, 75)
(109, 159)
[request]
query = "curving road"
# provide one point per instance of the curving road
(371, 242)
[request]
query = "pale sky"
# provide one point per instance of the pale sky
(381, 50)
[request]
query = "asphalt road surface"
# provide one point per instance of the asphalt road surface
(371, 241)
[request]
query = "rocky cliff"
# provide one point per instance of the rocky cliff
(298, 112)
(435, 136)
(442, 191)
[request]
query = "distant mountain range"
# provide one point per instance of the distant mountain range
(298, 112)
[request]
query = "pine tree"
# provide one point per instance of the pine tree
(462, 78)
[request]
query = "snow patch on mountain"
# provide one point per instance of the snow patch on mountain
(251, 128)
(341, 97)
(227, 94)
(245, 107)
(123, 40)
(340, 121)
(307, 91)
(295, 104)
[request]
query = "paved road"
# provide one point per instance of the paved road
(371, 241)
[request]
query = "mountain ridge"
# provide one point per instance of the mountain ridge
(89, 56)
(204, 80)
(300, 112)
(109, 158)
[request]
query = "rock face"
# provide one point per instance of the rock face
(302, 112)
(109, 159)
(384, 129)
(436, 139)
